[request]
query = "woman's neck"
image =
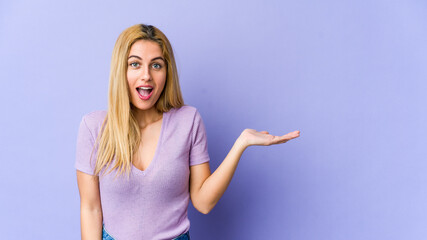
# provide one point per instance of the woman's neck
(147, 117)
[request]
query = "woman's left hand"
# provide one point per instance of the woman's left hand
(251, 137)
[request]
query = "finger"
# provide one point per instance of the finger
(278, 139)
(264, 132)
(291, 135)
(286, 137)
(280, 142)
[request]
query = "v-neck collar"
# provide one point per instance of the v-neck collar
(158, 147)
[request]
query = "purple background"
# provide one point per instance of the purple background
(350, 76)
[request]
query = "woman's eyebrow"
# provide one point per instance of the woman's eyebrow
(151, 59)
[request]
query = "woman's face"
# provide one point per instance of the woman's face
(146, 73)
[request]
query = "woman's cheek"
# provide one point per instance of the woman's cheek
(131, 76)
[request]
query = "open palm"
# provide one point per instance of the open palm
(253, 137)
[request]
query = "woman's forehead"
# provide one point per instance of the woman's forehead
(146, 48)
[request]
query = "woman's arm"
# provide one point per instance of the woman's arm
(206, 189)
(90, 206)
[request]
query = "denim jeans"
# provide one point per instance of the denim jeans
(184, 236)
(107, 236)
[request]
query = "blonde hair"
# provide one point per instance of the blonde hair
(120, 135)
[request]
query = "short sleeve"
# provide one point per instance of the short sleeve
(84, 146)
(199, 142)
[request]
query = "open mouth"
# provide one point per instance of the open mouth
(145, 92)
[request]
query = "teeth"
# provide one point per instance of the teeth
(145, 88)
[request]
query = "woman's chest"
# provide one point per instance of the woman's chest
(167, 175)
(147, 148)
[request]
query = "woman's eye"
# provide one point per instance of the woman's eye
(134, 64)
(157, 66)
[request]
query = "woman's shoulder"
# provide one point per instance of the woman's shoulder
(94, 118)
(185, 111)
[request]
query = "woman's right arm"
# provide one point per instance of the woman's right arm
(90, 206)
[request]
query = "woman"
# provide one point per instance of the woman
(141, 161)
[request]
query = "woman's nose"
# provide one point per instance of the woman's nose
(145, 73)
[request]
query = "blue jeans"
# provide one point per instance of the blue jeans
(106, 236)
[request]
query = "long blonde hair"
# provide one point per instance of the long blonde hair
(120, 135)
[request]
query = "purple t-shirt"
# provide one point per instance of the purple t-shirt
(153, 203)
